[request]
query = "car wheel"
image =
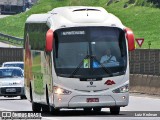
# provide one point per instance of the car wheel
(23, 97)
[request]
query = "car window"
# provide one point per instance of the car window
(10, 73)
(15, 65)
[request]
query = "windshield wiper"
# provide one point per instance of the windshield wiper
(78, 67)
(93, 58)
(108, 71)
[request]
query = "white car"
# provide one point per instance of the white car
(12, 82)
(14, 64)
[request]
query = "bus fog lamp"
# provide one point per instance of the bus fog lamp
(124, 97)
(59, 99)
(122, 89)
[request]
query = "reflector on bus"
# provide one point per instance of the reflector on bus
(49, 40)
(130, 39)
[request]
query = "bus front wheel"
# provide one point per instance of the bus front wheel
(54, 111)
(114, 110)
(97, 109)
(48, 107)
(87, 109)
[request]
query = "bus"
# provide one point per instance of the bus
(62, 60)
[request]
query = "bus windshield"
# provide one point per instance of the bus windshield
(90, 52)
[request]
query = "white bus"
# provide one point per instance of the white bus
(62, 60)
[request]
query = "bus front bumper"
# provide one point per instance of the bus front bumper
(80, 101)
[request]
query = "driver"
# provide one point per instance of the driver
(108, 58)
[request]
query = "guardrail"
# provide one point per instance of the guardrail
(11, 39)
(145, 71)
(145, 84)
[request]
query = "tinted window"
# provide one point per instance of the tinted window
(15, 65)
(10, 73)
(79, 51)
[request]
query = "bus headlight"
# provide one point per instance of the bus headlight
(61, 91)
(122, 89)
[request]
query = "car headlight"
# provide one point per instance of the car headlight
(122, 89)
(60, 91)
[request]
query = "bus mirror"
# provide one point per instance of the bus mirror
(49, 40)
(130, 39)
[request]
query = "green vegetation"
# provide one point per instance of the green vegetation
(143, 20)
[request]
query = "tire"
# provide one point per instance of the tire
(97, 109)
(48, 107)
(115, 110)
(87, 109)
(31, 97)
(36, 107)
(23, 97)
(54, 111)
(45, 109)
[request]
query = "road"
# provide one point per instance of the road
(2, 16)
(138, 104)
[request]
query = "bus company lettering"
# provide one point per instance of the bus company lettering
(73, 33)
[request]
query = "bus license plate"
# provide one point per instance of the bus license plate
(10, 90)
(92, 99)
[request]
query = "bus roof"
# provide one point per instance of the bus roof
(38, 18)
(76, 16)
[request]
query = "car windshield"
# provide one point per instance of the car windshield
(90, 52)
(10, 73)
(15, 65)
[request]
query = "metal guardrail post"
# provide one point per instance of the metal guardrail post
(12, 38)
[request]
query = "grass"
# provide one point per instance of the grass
(144, 21)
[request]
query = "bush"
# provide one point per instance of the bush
(131, 1)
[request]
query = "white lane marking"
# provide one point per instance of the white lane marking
(45, 118)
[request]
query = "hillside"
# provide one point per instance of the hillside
(144, 21)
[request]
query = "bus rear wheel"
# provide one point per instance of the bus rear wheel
(36, 107)
(114, 110)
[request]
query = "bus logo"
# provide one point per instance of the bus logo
(91, 83)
